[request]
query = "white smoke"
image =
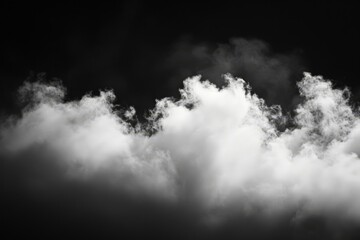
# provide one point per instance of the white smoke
(219, 149)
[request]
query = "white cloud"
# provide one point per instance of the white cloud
(217, 148)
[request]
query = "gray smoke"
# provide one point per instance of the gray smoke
(267, 72)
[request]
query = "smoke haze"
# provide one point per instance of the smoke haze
(267, 72)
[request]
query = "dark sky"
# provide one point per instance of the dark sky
(143, 51)
(126, 46)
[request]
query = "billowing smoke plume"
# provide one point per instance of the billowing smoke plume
(216, 153)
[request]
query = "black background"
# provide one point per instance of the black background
(124, 46)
